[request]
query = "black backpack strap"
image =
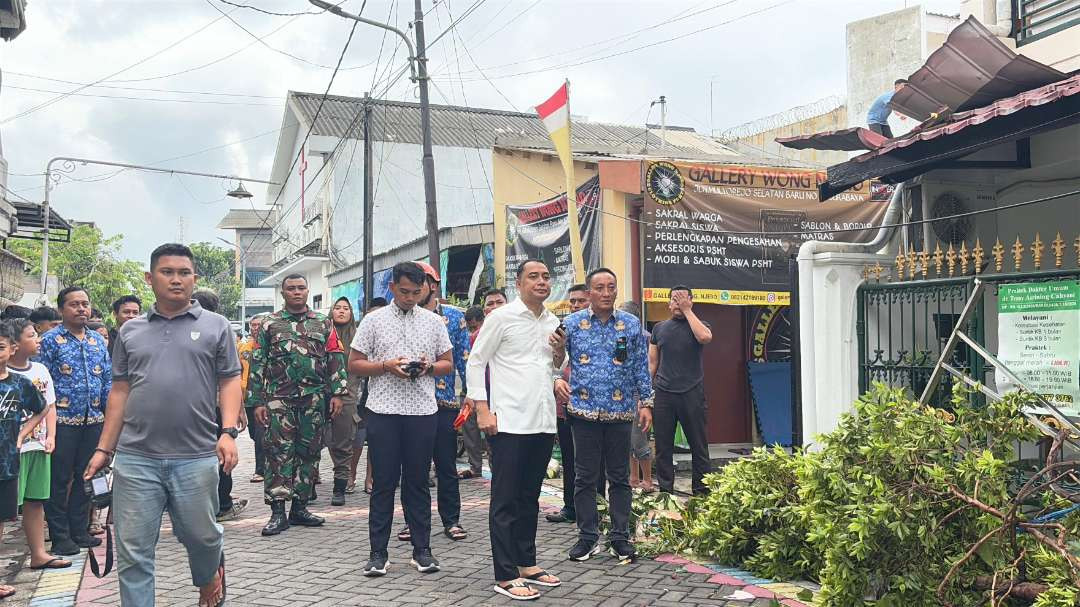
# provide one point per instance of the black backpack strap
(108, 554)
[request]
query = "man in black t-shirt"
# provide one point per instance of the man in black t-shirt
(678, 382)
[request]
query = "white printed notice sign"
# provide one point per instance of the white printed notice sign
(1039, 339)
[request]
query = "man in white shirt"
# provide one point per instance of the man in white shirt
(522, 343)
(402, 348)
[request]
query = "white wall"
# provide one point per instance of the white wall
(880, 50)
(462, 191)
(289, 223)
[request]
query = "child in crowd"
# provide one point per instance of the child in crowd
(45, 318)
(35, 459)
(18, 396)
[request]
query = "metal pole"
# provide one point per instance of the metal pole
(69, 165)
(369, 206)
(243, 288)
(45, 241)
(425, 131)
(663, 121)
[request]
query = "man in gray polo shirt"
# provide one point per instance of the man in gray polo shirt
(171, 369)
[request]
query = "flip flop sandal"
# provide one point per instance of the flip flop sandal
(7, 593)
(257, 478)
(466, 474)
(506, 591)
(455, 533)
(535, 579)
(56, 563)
(350, 488)
(404, 535)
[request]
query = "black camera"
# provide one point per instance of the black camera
(415, 369)
(99, 488)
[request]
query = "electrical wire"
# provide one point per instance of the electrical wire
(564, 66)
(272, 13)
(130, 98)
(260, 40)
(903, 224)
(622, 38)
(314, 120)
(453, 24)
(111, 174)
(137, 88)
(167, 48)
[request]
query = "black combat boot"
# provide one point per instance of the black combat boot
(299, 515)
(339, 492)
(278, 521)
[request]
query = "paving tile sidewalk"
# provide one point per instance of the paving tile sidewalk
(321, 567)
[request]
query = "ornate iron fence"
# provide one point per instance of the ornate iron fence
(902, 327)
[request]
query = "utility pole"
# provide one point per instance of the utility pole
(663, 121)
(369, 207)
(418, 64)
(425, 129)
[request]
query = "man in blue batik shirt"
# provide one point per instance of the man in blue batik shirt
(609, 390)
(78, 361)
(445, 454)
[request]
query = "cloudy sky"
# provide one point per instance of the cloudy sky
(200, 84)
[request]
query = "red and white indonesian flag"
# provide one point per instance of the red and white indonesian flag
(555, 112)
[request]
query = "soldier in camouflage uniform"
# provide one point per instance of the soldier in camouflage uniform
(297, 367)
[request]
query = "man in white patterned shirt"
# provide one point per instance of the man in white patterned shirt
(402, 348)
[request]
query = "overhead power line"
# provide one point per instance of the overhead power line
(564, 66)
(60, 97)
(620, 38)
(140, 88)
(311, 127)
(266, 12)
(132, 98)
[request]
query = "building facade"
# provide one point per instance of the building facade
(254, 254)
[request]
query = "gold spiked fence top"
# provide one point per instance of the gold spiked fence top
(963, 260)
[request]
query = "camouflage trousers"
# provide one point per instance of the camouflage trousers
(292, 446)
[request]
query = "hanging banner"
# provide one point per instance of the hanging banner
(709, 227)
(1039, 340)
(541, 231)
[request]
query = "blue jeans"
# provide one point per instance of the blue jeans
(143, 489)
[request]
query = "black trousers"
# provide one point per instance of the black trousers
(688, 409)
(401, 447)
(882, 129)
(518, 463)
(566, 447)
(68, 508)
(257, 432)
(446, 468)
(602, 448)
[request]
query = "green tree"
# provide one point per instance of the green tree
(92, 261)
(216, 266)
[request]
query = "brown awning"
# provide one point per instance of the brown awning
(972, 69)
(846, 140)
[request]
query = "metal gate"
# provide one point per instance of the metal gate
(902, 327)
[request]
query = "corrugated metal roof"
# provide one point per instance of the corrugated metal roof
(847, 140)
(1002, 107)
(843, 175)
(246, 219)
(972, 69)
(456, 126)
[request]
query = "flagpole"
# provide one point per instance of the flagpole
(571, 201)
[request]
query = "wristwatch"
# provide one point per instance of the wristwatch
(232, 432)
